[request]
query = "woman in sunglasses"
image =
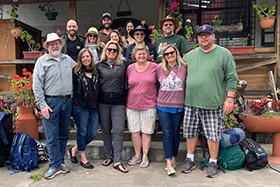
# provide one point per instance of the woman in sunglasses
(171, 75)
(115, 36)
(141, 103)
(93, 43)
(111, 70)
(139, 34)
(85, 97)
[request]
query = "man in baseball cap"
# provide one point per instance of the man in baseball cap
(107, 21)
(52, 87)
(205, 28)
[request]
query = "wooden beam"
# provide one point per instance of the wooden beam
(255, 56)
(161, 9)
(73, 9)
(256, 65)
(277, 38)
(6, 76)
(17, 61)
(257, 92)
(9, 2)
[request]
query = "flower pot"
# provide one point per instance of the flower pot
(267, 23)
(51, 15)
(243, 50)
(26, 122)
(258, 124)
(16, 31)
(32, 54)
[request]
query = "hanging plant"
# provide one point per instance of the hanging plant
(49, 10)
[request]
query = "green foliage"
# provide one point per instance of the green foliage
(217, 20)
(38, 176)
(13, 13)
(189, 29)
(270, 115)
(155, 34)
(195, 45)
(245, 39)
(46, 7)
(263, 9)
(230, 119)
(32, 45)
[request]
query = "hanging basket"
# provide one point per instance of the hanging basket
(267, 23)
(16, 31)
(51, 15)
(229, 28)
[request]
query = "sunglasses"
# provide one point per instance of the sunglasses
(141, 34)
(169, 53)
(95, 36)
(111, 49)
(168, 24)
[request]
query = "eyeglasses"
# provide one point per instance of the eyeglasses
(206, 35)
(111, 49)
(141, 34)
(54, 44)
(95, 36)
(169, 53)
(168, 24)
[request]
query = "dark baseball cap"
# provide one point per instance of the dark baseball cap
(106, 14)
(205, 28)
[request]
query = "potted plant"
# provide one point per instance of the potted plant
(265, 13)
(49, 10)
(33, 47)
(261, 118)
(23, 96)
(231, 118)
(244, 49)
(15, 31)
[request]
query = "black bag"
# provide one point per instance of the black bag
(256, 157)
(6, 136)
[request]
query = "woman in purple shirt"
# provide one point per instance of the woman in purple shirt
(171, 75)
(141, 103)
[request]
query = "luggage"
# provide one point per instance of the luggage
(6, 136)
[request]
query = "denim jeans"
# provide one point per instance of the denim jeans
(112, 117)
(170, 125)
(87, 122)
(56, 129)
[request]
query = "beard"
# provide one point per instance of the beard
(55, 53)
(73, 33)
(107, 26)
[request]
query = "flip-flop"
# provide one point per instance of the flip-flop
(117, 167)
(108, 161)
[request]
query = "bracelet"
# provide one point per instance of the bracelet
(230, 97)
(229, 101)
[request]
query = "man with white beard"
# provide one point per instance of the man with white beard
(73, 43)
(52, 86)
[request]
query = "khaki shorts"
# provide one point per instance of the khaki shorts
(141, 120)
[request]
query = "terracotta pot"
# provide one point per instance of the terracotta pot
(242, 50)
(16, 31)
(32, 54)
(26, 122)
(267, 23)
(257, 124)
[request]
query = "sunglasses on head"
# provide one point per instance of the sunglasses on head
(168, 24)
(169, 53)
(141, 34)
(90, 35)
(111, 49)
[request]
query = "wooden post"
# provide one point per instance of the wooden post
(277, 47)
(73, 9)
(161, 9)
(272, 83)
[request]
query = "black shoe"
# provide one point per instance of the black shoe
(87, 165)
(72, 158)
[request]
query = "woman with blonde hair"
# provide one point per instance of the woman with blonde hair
(141, 103)
(86, 89)
(111, 70)
(171, 74)
(93, 43)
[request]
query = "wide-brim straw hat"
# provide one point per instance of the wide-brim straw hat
(52, 37)
(169, 18)
(92, 30)
(140, 28)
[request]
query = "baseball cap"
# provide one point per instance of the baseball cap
(106, 14)
(205, 28)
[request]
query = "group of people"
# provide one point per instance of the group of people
(109, 78)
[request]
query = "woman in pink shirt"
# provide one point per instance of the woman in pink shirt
(171, 74)
(141, 103)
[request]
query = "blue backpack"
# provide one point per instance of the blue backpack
(23, 154)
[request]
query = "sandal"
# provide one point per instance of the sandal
(108, 161)
(72, 158)
(134, 160)
(145, 162)
(118, 167)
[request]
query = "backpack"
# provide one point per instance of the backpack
(23, 155)
(231, 158)
(256, 157)
(6, 136)
(232, 137)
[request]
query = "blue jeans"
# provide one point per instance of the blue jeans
(87, 122)
(57, 129)
(170, 125)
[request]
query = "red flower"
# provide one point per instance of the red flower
(24, 70)
(17, 89)
(16, 77)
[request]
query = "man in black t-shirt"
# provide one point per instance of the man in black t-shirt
(73, 43)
